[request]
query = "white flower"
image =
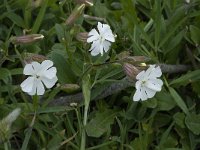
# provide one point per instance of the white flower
(101, 40)
(148, 84)
(40, 75)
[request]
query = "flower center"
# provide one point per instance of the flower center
(143, 82)
(102, 39)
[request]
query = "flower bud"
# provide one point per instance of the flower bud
(135, 59)
(187, 1)
(76, 13)
(86, 2)
(30, 57)
(26, 39)
(82, 36)
(130, 70)
(70, 88)
(13, 116)
(5, 124)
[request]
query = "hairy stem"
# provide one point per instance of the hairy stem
(115, 87)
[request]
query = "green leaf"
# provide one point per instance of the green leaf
(40, 17)
(165, 101)
(195, 34)
(4, 74)
(16, 19)
(60, 32)
(28, 134)
(86, 87)
(186, 79)
(179, 101)
(100, 124)
(192, 121)
(179, 119)
(64, 73)
(157, 21)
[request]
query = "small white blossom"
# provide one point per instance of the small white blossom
(148, 84)
(101, 41)
(39, 75)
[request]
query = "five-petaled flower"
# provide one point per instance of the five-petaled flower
(148, 84)
(101, 41)
(39, 75)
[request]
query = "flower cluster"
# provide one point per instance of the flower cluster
(44, 74)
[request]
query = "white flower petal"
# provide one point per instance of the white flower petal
(150, 93)
(95, 48)
(46, 64)
(110, 38)
(100, 27)
(138, 84)
(50, 73)
(39, 87)
(101, 49)
(153, 85)
(140, 75)
(143, 94)
(33, 91)
(49, 83)
(93, 36)
(156, 72)
(27, 85)
(36, 66)
(106, 46)
(28, 69)
(137, 95)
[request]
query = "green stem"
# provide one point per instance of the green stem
(83, 137)
(35, 102)
(6, 146)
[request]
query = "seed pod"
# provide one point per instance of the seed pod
(82, 36)
(135, 59)
(130, 70)
(76, 13)
(30, 57)
(70, 88)
(86, 2)
(26, 39)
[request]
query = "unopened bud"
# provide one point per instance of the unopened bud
(187, 1)
(36, 3)
(26, 39)
(82, 36)
(70, 88)
(5, 124)
(123, 55)
(30, 57)
(73, 104)
(86, 2)
(13, 115)
(76, 13)
(130, 70)
(135, 59)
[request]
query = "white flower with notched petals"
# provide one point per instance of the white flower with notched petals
(101, 41)
(39, 75)
(148, 84)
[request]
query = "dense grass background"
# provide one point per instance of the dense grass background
(165, 31)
